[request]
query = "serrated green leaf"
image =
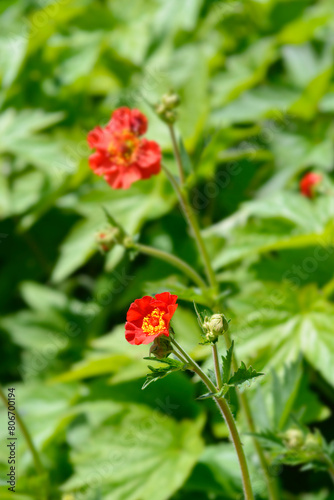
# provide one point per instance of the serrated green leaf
(302, 321)
(243, 374)
(211, 375)
(227, 363)
(173, 365)
(151, 454)
(269, 439)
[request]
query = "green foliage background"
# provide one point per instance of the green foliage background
(256, 83)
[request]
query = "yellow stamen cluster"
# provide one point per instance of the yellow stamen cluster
(122, 149)
(153, 323)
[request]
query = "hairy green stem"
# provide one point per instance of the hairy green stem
(228, 417)
(244, 403)
(176, 153)
(217, 366)
(173, 260)
(38, 464)
(193, 224)
(192, 221)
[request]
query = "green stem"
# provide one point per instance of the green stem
(176, 153)
(172, 259)
(228, 417)
(193, 224)
(244, 403)
(217, 366)
(38, 464)
(192, 221)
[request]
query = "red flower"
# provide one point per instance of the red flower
(149, 317)
(308, 182)
(121, 156)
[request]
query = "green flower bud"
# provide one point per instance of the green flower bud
(171, 100)
(214, 326)
(217, 324)
(293, 438)
(107, 238)
(166, 109)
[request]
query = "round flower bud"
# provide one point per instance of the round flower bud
(171, 100)
(107, 238)
(166, 108)
(214, 326)
(217, 324)
(293, 438)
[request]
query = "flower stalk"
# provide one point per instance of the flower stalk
(217, 366)
(193, 224)
(177, 153)
(244, 403)
(228, 417)
(173, 260)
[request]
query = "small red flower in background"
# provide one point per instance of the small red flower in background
(308, 183)
(122, 156)
(149, 317)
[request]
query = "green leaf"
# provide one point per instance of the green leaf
(283, 221)
(227, 363)
(152, 455)
(290, 319)
(130, 209)
(270, 439)
(173, 365)
(217, 471)
(94, 367)
(286, 399)
(244, 374)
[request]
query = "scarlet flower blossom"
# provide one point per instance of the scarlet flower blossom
(149, 317)
(122, 156)
(308, 183)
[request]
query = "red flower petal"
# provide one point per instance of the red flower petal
(131, 119)
(149, 155)
(100, 163)
(130, 175)
(166, 297)
(308, 182)
(121, 157)
(149, 317)
(99, 138)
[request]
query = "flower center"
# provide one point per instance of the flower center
(153, 323)
(123, 147)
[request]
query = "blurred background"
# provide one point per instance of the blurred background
(257, 103)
